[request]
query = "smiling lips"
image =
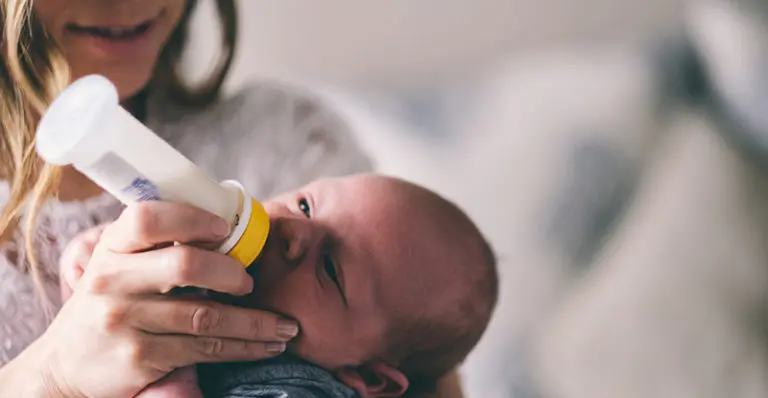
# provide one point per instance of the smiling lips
(112, 33)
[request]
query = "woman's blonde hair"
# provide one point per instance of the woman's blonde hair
(33, 70)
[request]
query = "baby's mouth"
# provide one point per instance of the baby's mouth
(112, 33)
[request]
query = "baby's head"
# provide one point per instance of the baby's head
(392, 285)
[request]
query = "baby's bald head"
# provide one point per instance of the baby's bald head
(447, 289)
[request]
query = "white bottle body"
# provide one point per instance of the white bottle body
(87, 128)
(136, 165)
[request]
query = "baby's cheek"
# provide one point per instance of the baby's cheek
(325, 337)
(329, 340)
(322, 350)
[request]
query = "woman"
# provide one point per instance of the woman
(269, 138)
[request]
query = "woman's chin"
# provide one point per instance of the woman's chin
(128, 84)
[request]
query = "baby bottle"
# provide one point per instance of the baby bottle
(87, 128)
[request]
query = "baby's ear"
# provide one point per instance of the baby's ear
(374, 380)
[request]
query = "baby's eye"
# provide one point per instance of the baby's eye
(330, 269)
(304, 207)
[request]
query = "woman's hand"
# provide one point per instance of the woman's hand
(75, 259)
(118, 332)
(181, 383)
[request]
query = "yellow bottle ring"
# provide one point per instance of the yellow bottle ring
(250, 227)
(254, 237)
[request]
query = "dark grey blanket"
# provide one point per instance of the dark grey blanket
(283, 377)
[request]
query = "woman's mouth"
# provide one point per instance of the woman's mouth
(112, 33)
(118, 42)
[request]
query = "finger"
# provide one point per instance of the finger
(75, 257)
(210, 319)
(159, 271)
(147, 224)
(80, 248)
(65, 290)
(181, 383)
(71, 272)
(94, 234)
(91, 236)
(169, 351)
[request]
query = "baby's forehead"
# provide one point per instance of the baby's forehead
(314, 188)
(322, 186)
(347, 190)
(349, 180)
(363, 185)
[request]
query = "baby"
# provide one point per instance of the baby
(392, 286)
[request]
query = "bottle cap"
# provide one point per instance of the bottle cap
(78, 121)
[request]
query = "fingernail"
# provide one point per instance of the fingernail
(220, 228)
(287, 329)
(275, 348)
(248, 287)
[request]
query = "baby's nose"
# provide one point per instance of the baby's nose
(295, 248)
(289, 244)
(298, 237)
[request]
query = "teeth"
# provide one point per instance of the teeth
(115, 33)
(119, 31)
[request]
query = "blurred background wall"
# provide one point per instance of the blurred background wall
(400, 42)
(419, 70)
(406, 40)
(397, 42)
